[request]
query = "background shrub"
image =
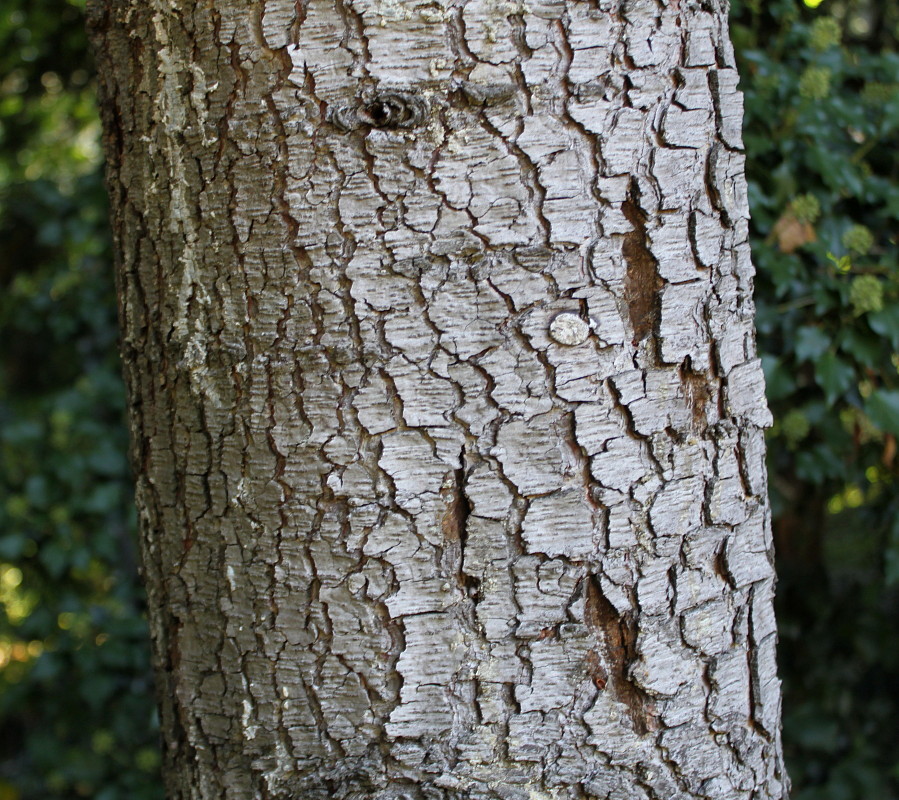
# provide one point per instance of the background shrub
(821, 81)
(77, 715)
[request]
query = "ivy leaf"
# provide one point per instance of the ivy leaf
(886, 324)
(55, 558)
(819, 463)
(811, 343)
(779, 381)
(866, 349)
(883, 409)
(833, 375)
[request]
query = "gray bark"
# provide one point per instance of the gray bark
(447, 417)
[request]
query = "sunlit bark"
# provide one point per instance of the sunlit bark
(446, 411)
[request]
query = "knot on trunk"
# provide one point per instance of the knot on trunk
(383, 110)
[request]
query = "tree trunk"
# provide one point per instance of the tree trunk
(447, 419)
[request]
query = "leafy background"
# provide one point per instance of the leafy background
(821, 80)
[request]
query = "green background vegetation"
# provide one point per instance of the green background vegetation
(821, 80)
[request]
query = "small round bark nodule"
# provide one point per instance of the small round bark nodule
(569, 329)
(397, 542)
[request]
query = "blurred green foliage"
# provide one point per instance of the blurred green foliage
(77, 716)
(821, 84)
(822, 131)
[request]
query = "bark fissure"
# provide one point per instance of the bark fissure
(643, 284)
(618, 633)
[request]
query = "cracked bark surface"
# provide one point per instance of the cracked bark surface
(398, 541)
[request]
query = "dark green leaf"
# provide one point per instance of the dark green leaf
(833, 375)
(882, 407)
(886, 323)
(811, 343)
(779, 380)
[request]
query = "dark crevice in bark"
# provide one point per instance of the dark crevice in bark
(300, 11)
(711, 182)
(693, 237)
(642, 284)
(743, 468)
(619, 636)
(697, 393)
(455, 529)
(720, 562)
